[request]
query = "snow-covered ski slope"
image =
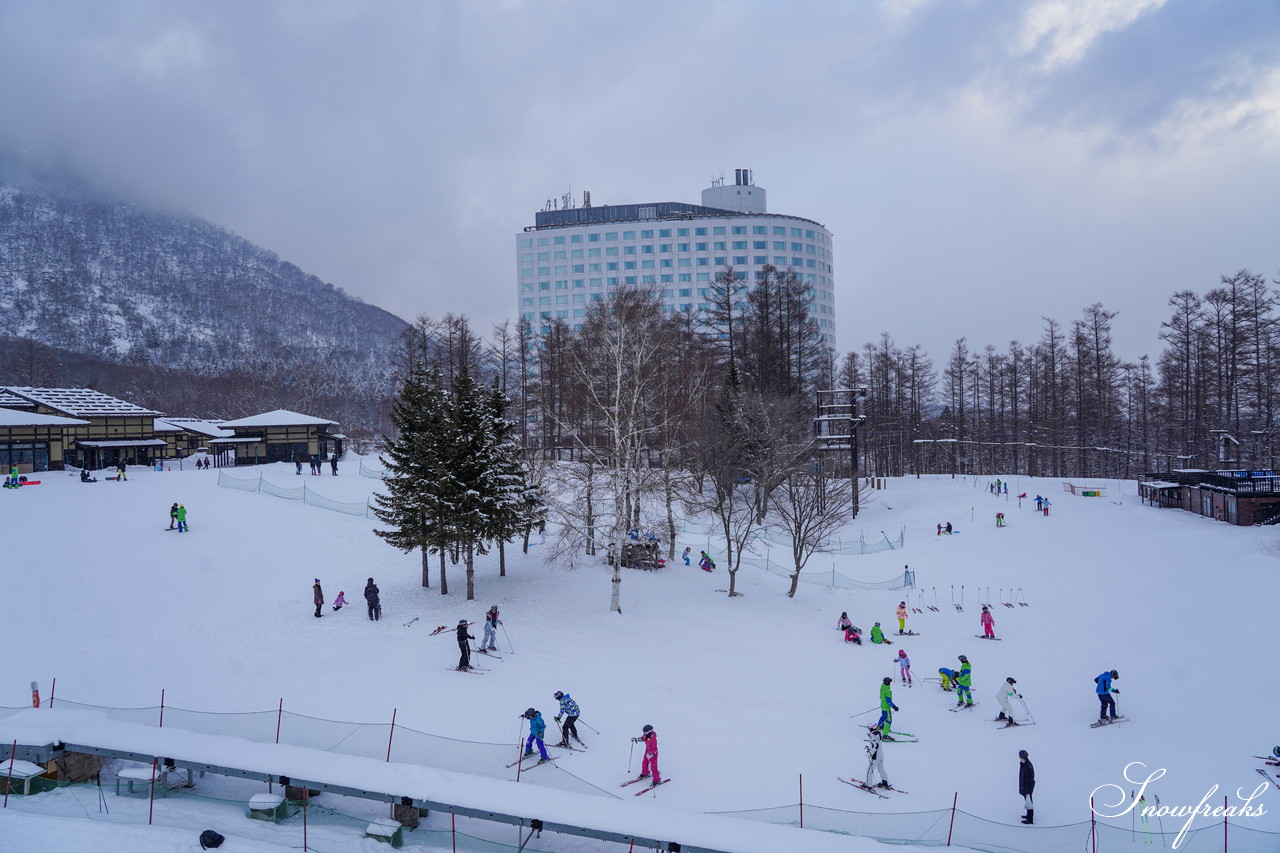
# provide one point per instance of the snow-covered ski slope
(747, 695)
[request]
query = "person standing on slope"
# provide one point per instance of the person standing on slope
(886, 707)
(173, 513)
(875, 758)
(372, 599)
(537, 729)
(568, 710)
(1104, 694)
(491, 623)
(988, 624)
(317, 595)
(464, 661)
(1026, 785)
(1004, 696)
(182, 518)
(904, 667)
(686, 553)
(963, 684)
(649, 765)
(902, 617)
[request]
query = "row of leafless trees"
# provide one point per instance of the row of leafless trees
(1068, 405)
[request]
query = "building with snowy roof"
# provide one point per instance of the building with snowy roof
(575, 255)
(34, 442)
(277, 436)
(186, 436)
(112, 430)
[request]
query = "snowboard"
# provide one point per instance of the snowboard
(985, 637)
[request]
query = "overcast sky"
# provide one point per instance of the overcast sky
(981, 164)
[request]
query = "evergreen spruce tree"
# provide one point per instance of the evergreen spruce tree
(413, 508)
(515, 503)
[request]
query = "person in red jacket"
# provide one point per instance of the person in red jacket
(988, 624)
(649, 766)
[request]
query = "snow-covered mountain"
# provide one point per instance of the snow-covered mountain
(87, 272)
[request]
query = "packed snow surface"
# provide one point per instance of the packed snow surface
(748, 694)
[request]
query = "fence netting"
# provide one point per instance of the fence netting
(303, 493)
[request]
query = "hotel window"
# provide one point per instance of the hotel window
(739, 245)
(666, 278)
(628, 235)
(664, 232)
(579, 268)
(646, 249)
(646, 265)
(700, 232)
(739, 259)
(561, 254)
(593, 238)
(780, 260)
(760, 245)
(760, 259)
(562, 284)
(544, 285)
(575, 238)
(682, 232)
(527, 302)
(721, 261)
(543, 241)
(739, 229)
(612, 266)
(683, 262)
(718, 230)
(526, 243)
(630, 279)
(610, 235)
(666, 262)
(544, 256)
(779, 231)
(685, 277)
(628, 265)
(702, 262)
(559, 241)
(593, 253)
(579, 282)
(759, 229)
(594, 282)
(686, 292)
(664, 247)
(701, 247)
(646, 235)
(575, 253)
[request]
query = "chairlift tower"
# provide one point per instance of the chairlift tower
(835, 430)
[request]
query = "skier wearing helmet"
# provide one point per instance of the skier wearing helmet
(963, 683)
(902, 617)
(464, 662)
(537, 729)
(491, 623)
(886, 707)
(1003, 696)
(904, 667)
(649, 765)
(988, 624)
(568, 710)
(1104, 695)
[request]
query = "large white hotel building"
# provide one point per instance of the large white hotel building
(576, 255)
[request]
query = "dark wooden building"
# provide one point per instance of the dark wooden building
(279, 436)
(114, 430)
(1237, 497)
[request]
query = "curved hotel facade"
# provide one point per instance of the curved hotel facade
(575, 255)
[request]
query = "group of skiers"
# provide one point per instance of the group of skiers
(371, 597)
(704, 560)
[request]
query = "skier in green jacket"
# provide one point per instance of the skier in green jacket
(877, 635)
(886, 708)
(963, 683)
(181, 515)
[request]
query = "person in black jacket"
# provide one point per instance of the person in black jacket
(371, 598)
(1026, 784)
(464, 662)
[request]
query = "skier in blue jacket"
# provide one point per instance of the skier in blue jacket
(568, 710)
(537, 728)
(1104, 694)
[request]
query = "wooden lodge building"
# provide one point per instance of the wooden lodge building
(49, 429)
(1237, 497)
(279, 436)
(109, 431)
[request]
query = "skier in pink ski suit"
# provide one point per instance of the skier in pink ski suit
(988, 624)
(649, 766)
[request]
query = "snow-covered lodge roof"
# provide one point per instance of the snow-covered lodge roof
(212, 429)
(13, 418)
(79, 402)
(279, 417)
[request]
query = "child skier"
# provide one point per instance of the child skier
(340, 602)
(182, 518)
(491, 623)
(1007, 691)
(686, 553)
(875, 759)
(949, 677)
(851, 631)
(568, 710)
(1104, 694)
(963, 683)
(649, 765)
(877, 635)
(886, 705)
(464, 661)
(988, 624)
(904, 667)
(173, 510)
(902, 617)
(537, 728)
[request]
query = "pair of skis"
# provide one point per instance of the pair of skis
(871, 789)
(1108, 722)
(963, 707)
(644, 779)
(540, 761)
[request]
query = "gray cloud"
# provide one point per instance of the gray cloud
(975, 178)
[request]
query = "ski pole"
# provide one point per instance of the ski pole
(1025, 708)
(588, 725)
(631, 755)
(868, 711)
(508, 636)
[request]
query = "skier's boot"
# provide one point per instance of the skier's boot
(959, 703)
(888, 737)
(564, 743)
(1030, 818)
(882, 784)
(1002, 716)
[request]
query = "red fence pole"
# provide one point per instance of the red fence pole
(953, 817)
(162, 707)
(9, 784)
(392, 733)
(279, 714)
(802, 801)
